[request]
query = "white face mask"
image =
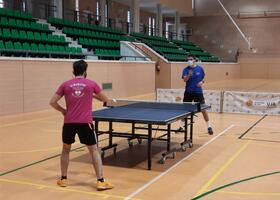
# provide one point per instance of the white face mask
(191, 63)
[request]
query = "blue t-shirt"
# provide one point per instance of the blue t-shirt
(197, 76)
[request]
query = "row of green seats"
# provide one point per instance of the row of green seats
(175, 57)
(99, 43)
(66, 23)
(194, 48)
(209, 59)
(15, 14)
(180, 42)
(18, 46)
(128, 38)
(144, 36)
(170, 50)
(199, 53)
(14, 34)
(105, 52)
(160, 43)
(92, 34)
(23, 24)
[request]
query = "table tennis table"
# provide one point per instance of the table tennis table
(149, 113)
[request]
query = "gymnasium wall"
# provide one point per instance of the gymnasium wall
(184, 6)
(259, 66)
(27, 86)
(214, 72)
(213, 30)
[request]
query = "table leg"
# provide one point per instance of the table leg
(149, 146)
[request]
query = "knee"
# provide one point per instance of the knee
(93, 148)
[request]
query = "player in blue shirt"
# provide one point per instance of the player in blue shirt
(193, 75)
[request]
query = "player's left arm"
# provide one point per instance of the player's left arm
(200, 83)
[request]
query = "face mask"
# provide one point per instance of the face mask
(191, 63)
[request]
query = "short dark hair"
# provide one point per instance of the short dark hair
(79, 67)
(191, 55)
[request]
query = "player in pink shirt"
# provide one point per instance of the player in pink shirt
(79, 93)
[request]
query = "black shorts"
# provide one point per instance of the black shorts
(196, 97)
(85, 132)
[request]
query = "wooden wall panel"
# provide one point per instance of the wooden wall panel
(11, 88)
(27, 86)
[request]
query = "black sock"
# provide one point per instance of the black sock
(63, 177)
(101, 179)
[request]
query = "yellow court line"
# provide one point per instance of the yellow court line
(25, 122)
(265, 145)
(222, 169)
(40, 186)
(252, 193)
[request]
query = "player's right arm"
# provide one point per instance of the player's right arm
(54, 103)
(186, 74)
(101, 97)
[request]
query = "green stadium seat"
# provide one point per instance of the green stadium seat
(50, 38)
(44, 37)
(12, 22)
(6, 33)
(36, 26)
(61, 49)
(37, 36)
(26, 24)
(68, 49)
(48, 48)
(16, 14)
(2, 46)
(22, 35)
(2, 12)
(55, 48)
(19, 23)
(15, 34)
(26, 46)
(34, 47)
(4, 21)
(41, 48)
(9, 45)
(30, 35)
(79, 50)
(18, 46)
(45, 27)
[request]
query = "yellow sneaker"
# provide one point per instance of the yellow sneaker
(104, 185)
(62, 183)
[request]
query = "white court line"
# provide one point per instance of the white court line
(174, 166)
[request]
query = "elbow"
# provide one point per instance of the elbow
(52, 103)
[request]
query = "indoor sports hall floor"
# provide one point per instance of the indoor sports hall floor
(217, 167)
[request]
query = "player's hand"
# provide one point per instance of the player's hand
(200, 84)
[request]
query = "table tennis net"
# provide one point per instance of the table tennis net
(152, 104)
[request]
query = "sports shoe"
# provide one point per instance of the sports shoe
(62, 182)
(210, 131)
(104, 185)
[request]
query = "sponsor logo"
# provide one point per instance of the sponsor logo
(178, 99)
(263, 103)
(78, 89)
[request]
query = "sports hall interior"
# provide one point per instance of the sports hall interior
(133, 48)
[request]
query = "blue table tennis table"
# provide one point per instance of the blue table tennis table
(148, 113)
